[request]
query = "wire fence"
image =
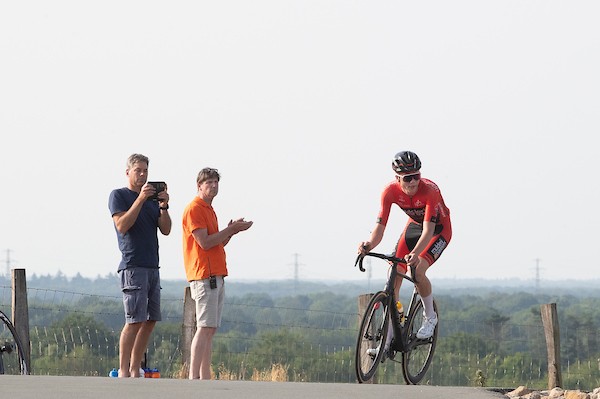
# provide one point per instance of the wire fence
(75, 333)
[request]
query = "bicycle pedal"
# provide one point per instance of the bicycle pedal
(383, 357)
(391, 354)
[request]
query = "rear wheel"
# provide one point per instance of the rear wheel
(371, 337)
(417, 358)
(12, 355)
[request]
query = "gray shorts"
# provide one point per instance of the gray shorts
(141, 294)
(209, 302)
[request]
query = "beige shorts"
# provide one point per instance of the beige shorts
(209, 302)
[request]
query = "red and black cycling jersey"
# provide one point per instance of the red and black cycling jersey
(426, 205)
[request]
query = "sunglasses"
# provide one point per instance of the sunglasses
(409, 178)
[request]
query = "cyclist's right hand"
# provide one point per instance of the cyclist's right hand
(364, 247)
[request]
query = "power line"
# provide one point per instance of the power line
(296, 271)
(537, 274)
(7, 262)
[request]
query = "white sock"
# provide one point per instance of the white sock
(428, 305)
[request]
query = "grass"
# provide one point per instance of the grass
(277, 373)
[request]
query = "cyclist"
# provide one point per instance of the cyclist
(427, 232)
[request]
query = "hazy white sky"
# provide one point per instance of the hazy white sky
(301, 106)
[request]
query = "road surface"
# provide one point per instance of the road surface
(60, 387)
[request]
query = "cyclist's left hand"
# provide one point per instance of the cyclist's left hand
(364, 247)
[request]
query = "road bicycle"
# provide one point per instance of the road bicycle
(416, 354)
(10, 344)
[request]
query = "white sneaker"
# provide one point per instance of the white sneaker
(426, 330)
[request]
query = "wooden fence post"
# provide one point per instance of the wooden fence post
(552, 333)
(363, 301)
(188, 331)
(20, 312)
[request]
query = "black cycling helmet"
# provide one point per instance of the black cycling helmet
(406, 162)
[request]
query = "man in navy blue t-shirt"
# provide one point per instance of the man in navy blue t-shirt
(136, 218)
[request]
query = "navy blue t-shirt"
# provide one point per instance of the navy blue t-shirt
(139, 246)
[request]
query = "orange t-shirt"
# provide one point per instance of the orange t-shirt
(200, 263)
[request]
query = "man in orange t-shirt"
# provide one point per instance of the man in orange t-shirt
(206, 267)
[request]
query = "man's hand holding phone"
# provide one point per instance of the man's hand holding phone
(159, 187)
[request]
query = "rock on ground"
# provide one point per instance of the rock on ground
(523, 392)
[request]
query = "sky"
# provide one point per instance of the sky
(301, 106)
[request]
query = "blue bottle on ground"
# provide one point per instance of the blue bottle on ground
(113, 373)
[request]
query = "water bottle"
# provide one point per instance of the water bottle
(113, 373)
(401, 316)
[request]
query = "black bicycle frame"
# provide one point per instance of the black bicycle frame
(399, 331)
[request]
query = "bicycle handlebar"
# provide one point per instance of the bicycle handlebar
(389, 258)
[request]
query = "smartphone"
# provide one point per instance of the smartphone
(158, 186)
(213, 282)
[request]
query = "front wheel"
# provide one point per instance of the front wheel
(371, 337)
(12, 355)
(417, 358)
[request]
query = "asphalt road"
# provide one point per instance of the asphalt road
(54, 387)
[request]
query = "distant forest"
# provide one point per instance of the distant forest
(109, 285)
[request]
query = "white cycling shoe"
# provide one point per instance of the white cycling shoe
(428, 327)
(374, 351)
